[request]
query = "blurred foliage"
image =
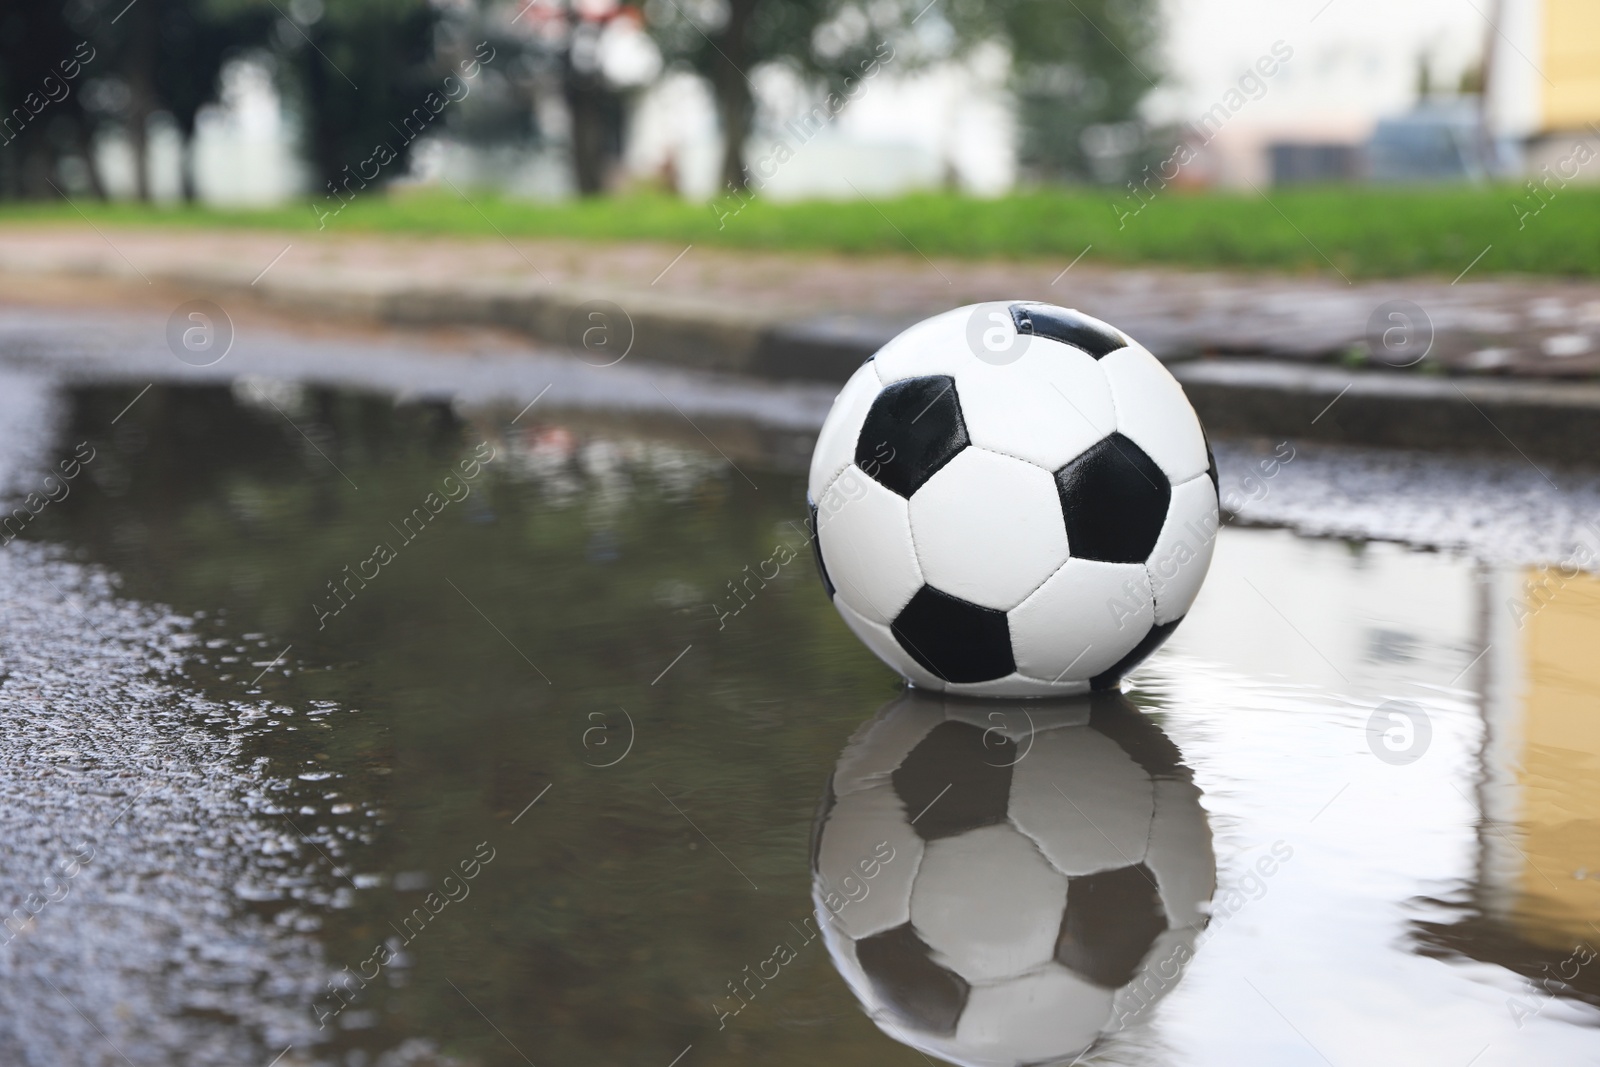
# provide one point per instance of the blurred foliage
(606, 924)
(354, 71)
(42, 68)
(1074, 66)
(194, 41)
(72, 71)
(1078, 68)
(1367, 231)
(834, 41)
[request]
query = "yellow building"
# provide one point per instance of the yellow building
(1544, 67)
(1572, 63)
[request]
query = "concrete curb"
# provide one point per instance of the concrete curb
(1236, 397)
(701, 335)
(695, 334)
(1558, 422)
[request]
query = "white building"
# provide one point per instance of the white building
(1358, 61)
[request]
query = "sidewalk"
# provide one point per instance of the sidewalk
(783, 314)
(816, 316)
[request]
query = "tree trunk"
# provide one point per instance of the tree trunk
(38, 163)
(585, 105)
(592, 106)
(735, 102)
(84, 135)
(139, 141)
(186, 161)
(140, 73)
(734, 107)
(324, 146)
(186, 172)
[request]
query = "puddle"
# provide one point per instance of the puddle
(406, 733)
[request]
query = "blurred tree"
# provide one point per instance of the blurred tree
(166, 56)
(594, 104)
(358, 71)
(724, 40)
(44, 54)
(567, 39)
(194, 41)
(1079, 73)
(500, 111)
(1075, 66)
(134, 45)
(75, 69)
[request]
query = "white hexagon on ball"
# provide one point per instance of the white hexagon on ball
(867, 546)
(1061, 632)
(1035, 508)
(988, 528)
(1045, 406)
(836, 444)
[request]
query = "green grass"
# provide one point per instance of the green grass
(1359, 231)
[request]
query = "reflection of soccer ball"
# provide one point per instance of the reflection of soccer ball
(1000, 885)
(1013, 500)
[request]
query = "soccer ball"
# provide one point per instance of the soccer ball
(1012, 499)
(1001, 885)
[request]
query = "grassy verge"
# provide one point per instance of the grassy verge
(1358, 231)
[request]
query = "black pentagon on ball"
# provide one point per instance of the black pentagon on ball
(958, 778)
(913, 428)
(1211, 464)
(1067, 326)
(953, 639)
(1112, 919)
(918, 991)
(1115, 500)
(1154, 639)
(816, 549)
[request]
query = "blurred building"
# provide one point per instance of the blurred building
(1544, 82)
(1382, 90)
(1438, 140)
(1313, 161)
(1335, 68)
(1544, 67)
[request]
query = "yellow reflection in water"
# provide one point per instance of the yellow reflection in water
(1557, 764)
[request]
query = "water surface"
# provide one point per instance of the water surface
(501, 770)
